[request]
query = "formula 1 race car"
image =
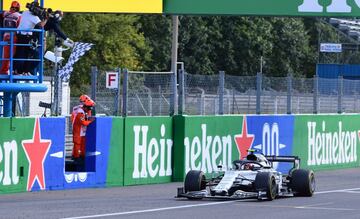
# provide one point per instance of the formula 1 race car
(252, 177)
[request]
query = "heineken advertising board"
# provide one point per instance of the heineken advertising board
(32, 155)
(205, 142)
(327, 142)
(341, 8)
(148, 150)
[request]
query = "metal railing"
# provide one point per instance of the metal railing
(37, 75)
(150, 94)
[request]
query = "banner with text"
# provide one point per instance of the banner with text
(264, 7)
(327, 142)
(148, 150)
(207, 141)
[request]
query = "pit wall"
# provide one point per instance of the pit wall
(147, 150)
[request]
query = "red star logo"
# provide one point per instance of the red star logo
(244, 140)
(36, 150)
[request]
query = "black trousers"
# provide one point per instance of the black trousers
(25, 52)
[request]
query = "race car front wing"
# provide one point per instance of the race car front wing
(238, 195)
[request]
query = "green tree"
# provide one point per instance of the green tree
(292, 51)
(158, 35)
(117, 39)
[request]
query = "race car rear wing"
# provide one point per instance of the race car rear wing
(285, 159)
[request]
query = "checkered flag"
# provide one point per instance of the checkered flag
(78, 51)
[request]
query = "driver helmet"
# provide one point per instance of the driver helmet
(252, 157)
(248, 166)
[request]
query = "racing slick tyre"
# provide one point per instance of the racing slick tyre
(303, 182)
(265, 181)
(194, 181)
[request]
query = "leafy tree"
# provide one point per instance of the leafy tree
(118, 43)
(158, 34)
(292, 49)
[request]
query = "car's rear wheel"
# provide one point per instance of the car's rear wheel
(303, 182)
(195, 181)
(265, 181)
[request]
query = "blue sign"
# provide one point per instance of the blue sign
(273, 135)
(330, 47)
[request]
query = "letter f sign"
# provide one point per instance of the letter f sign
(112, 80)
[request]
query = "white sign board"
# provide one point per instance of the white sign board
(112, 80)
(330, 47)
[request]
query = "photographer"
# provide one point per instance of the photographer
(29, 20)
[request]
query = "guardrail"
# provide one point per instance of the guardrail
(37, 74)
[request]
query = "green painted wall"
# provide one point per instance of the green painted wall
(115, 171)
(13, 161)
(203, 142)
(148, 148)
(327, 141)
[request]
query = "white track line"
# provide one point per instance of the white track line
(340, 190)
(209, 204)
(150, 210)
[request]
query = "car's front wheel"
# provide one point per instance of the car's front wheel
(194, 181)
(265, 181)
(303, 182)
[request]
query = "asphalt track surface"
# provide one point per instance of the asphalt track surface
(337, 196)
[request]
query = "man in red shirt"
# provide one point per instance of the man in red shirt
(80, 119)
(11, 19)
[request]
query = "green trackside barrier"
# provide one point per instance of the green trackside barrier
(327, 141)
(204, 142)
(13, 161)
(148, 150)
(115, 170)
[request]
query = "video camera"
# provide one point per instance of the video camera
(39, 11)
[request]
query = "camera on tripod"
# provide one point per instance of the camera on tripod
(39, 11)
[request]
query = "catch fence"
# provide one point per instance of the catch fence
(152, 94)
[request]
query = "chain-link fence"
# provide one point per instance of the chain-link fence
(150, 94)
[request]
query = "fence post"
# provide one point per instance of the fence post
(160, 101)
(316, 90)
(289, 89)
(94, 72)
(221, 92)
(258, 92)
(117, 96)
(340, 93)
(181, 91)
(124, 94)
(202, 103)
(173, 101)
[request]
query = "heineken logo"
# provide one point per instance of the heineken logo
(331, 147)
(36, 150)
(244, 140)
(9, 160)
(206, 152)
(152, 157)
(336, 6)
